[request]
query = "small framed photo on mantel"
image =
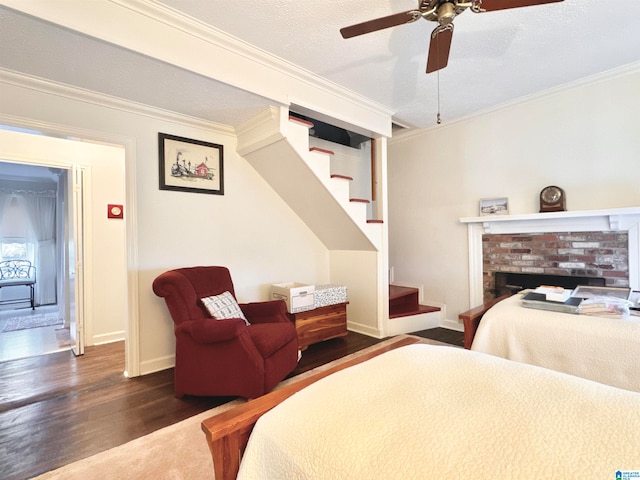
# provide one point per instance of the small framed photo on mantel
(190, 165)
(494, 206)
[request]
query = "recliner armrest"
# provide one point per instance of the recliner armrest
(212, 331)
(265, 312)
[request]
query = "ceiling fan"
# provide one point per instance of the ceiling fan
(443, 12)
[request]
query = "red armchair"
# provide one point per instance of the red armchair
(225, 357)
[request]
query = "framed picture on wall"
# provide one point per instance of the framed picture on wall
(494, 206)
(190, 165)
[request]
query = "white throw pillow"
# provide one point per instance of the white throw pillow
(223, 306)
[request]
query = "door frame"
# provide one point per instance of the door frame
(132, 351)
(78, 198)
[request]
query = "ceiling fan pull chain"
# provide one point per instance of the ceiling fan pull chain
(438, 120)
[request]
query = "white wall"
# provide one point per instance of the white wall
(108, 243)
(360, 271)
(249, 229)
(583, 138)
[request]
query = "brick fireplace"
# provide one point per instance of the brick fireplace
(576, 254)
(594, 243)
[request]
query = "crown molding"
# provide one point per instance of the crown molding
(50, 87)
(263, 118)
(623, 71)
(185, 41)
(164, 14)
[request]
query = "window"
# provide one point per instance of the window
(16, 249)
(15, 241)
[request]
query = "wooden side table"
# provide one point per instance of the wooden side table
(320, 324)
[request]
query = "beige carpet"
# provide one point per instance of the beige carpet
(177, 452)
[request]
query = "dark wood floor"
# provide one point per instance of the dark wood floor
(56, 409)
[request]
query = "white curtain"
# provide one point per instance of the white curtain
(4, 201)
(41, 213)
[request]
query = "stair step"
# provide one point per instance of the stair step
(359, 200)
(403, 294)
(415, 311)
(403, 301)
(335, 175)
(375, 220)
(396, 291)
(281, 150)
(321, 150)
(306, 123)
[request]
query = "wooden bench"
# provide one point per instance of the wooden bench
(14, 273)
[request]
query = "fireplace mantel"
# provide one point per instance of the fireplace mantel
(606, 220)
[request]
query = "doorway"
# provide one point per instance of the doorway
(105, 292)
(31, 250)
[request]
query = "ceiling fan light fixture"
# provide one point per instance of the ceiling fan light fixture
(443, 12)
(446, 13)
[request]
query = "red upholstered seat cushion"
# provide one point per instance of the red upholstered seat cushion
(270, 337)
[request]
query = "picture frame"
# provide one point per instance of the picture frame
(188, 165)
(494, 206)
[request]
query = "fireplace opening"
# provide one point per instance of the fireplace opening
(510, 282)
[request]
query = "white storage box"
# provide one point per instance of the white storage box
(299, 297)
(330, 295)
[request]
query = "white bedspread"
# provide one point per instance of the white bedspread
(606, 350)
(429, 412)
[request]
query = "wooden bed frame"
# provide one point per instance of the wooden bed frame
(471, 319)
(228, 432)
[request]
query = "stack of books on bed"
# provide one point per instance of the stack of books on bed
(602, 309)
(556, 299)
(554, 294)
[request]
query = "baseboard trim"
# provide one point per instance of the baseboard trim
(157, 364)
(108, 338)
(364, 329)
(414, 323)
(452, 325)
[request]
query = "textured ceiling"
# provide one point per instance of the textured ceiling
(495, 58)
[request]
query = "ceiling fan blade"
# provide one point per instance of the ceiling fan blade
(380, 23)
(491, 5)
(439, 47)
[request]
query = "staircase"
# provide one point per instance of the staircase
(406, 315)
(277, 146)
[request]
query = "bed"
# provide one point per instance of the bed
(603, 349)
(424, 411)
